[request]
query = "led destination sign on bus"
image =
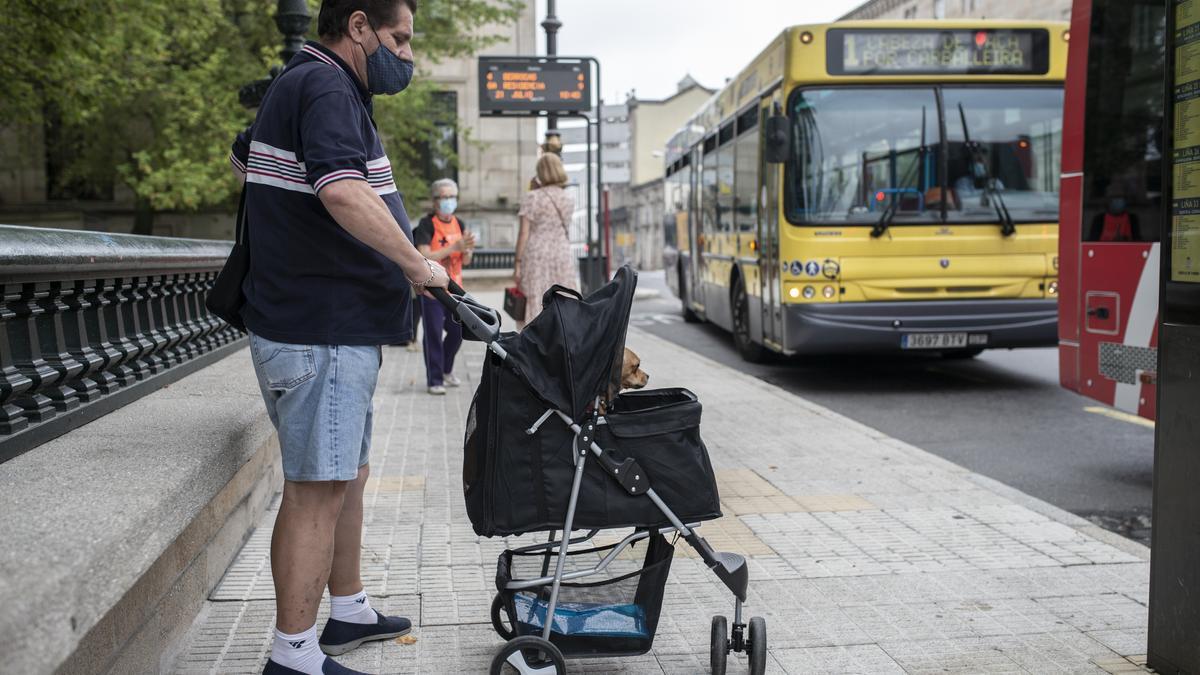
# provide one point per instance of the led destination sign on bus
(531, 85)
(937, 51)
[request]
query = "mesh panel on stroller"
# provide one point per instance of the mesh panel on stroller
(616, 616)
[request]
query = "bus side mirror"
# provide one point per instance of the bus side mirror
(778, 139)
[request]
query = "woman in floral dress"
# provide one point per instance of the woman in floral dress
(543, 247)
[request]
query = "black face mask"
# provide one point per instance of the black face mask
(387, 73)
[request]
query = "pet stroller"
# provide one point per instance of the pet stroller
(539, 456)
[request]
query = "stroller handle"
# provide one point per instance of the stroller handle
(482, 323)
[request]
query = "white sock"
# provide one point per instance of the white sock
(298, 652)
(352, 608)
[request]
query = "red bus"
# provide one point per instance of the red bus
(1111, 204)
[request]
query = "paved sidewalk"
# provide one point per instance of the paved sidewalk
(867, 555)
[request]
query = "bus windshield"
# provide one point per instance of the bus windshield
(857, 151)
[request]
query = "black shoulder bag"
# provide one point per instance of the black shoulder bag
(225, 298)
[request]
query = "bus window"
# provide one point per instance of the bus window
(1016, 137)
(725, 180)
(855, 150)
(746, 183)
(1122, 191)
(708, 187)
(671, 205)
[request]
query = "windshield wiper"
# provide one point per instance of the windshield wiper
(1007, 228)
(885, 220)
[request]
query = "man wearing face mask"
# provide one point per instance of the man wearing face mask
(331, 265)
(441, 236)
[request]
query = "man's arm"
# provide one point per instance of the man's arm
(362, 213)
(239, 155)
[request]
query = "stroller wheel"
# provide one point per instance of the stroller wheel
(718, 649)
(529, 655)
(758, 646)
(498, 615)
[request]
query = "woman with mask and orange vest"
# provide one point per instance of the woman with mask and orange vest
(441, 237)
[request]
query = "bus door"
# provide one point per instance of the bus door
(695, 238)
(768, 236)
(1118, 342)
(1112, 203)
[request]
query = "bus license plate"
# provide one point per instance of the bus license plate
(933, 340)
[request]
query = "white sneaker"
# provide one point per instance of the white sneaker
(451, 381)
(437, 390)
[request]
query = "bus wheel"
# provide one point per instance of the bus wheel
(754, 353)
(962, 354)
(689, 316)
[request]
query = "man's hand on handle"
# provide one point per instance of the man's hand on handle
(426, 276)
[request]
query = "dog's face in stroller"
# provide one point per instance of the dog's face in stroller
(632, 375)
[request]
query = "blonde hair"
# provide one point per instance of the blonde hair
(553, 144)
(550, 170)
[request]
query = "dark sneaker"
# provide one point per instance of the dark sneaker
(330, 667)
(339, 637)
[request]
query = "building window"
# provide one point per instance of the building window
(437, 153)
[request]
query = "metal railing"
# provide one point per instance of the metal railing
(92, 321)
(492, 259)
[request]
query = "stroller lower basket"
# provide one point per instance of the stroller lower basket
(617, 616)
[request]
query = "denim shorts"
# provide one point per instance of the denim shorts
(319, 399)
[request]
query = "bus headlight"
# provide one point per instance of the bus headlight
(828, 292)
(794, 292)
(1052, 288)
(810, 292)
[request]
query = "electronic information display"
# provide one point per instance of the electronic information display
(938, 52)
(533, 86)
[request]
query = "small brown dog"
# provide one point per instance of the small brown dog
(632, 377)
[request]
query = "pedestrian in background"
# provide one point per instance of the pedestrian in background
(543, 256)
(442, 237)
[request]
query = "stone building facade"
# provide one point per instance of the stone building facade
(1033, 10)
(497, 156)
(652, 123)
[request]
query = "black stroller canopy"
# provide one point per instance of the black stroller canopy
(572, 352)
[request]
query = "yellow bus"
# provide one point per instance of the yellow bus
(876, 186)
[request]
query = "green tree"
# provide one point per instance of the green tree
(145, 91)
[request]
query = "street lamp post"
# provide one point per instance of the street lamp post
(551, 25)
(292, 19)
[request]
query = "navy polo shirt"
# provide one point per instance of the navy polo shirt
(311, 281)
